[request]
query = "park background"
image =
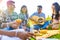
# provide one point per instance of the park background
(31, 5)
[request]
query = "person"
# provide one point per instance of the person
(24, 16)
(1, 18)
(40, 14)
(9, 14)
(12, 25)
(55, 9)
(55, 15)
(16, 35)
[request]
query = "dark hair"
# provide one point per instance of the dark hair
(39, 6)
(26, 10)
(57, 10)
(23, 7)
(56, 6)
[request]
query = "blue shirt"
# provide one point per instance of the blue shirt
(38, 14)
(8, 28)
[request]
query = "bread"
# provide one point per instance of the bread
(40, 32)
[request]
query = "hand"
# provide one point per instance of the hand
(25, 36)
(4, 25)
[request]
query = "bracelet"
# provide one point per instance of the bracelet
(16, 33)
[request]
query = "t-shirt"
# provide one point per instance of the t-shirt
(38, 14)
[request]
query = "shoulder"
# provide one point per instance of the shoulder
(34, 13)
(15, 12)
(43, 13)
(20, 14)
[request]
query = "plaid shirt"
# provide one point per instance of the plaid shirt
(10, 17)
(24, 17)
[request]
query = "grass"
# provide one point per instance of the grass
(55, 36)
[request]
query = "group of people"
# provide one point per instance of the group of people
(10, 20)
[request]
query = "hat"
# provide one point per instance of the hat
(10, 2)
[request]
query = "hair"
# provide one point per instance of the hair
(57, 10)
(23, 7)
(56, 6)
(26, 10)
(39, 6)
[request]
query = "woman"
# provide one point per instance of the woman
(55, 15)
(24, 16)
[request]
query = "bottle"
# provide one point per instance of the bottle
(49, 19)
(32, 29)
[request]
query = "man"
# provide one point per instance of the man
(12, 25)
(1, 18)
(16, 35)
(9, 14)
(40, 14)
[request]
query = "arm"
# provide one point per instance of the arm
(7, 33)
(3, 25)
(21, 35)
(10, 24)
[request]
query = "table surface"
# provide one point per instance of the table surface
(48, 34)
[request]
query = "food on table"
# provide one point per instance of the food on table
(40, 32)
(18, 20)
